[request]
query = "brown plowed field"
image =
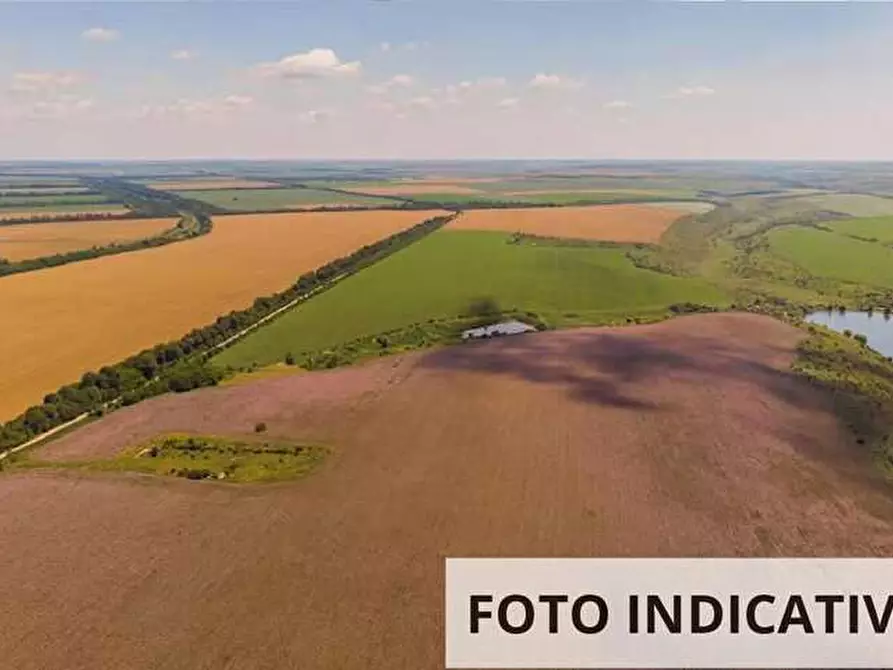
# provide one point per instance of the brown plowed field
(23, 241)
(686, 438)
(61, 322)
(617, 223)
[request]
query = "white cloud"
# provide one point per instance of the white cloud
(43, 81)
(618, 104)
(99, 34)
(543, 80)
(508, 103)
(64, 107)
(397, 81)
(401, 80)
(238, 100)
(384, 47)
(315, 116)
(189, 107)
(183, 54)
(692, 91)
(313, 64)
(423, 102)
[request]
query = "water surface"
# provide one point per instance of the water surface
(876, 326)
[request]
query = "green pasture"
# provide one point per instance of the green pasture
(853, 204)
(827, 254)
(879, 228)
(263, 199)
(441, 275)
(50, 201)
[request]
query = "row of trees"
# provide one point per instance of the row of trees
(73, 216)
(188, 227)
(183, 365)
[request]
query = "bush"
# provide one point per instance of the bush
(260, 427)
(860, 338)
(289, 359)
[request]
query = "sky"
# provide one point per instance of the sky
(420, 79)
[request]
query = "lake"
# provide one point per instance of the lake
(875, 326)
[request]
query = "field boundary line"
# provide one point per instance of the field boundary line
(232, 338)
(43, 436)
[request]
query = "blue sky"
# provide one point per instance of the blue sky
(446, 79)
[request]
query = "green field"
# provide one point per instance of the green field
(879, 228)
(264, 199)
(840, 257)
(852, 204)
(442, 274)
(49, 201)
(205, 457)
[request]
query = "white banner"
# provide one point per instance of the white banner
(669, 613)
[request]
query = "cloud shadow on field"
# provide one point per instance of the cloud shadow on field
(618, 369)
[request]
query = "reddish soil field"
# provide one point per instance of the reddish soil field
(617, 223)
(685, 438)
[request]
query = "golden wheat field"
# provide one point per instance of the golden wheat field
(617, 223)
(33, 240)
(61, 322)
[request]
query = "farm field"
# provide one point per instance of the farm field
(619, 223)
(685, 438)
(208, 184)
(33, 240)
(278, 198)
(50, 201)
(39, 190)
(58, 210)
(853, 204)
(879, 228)
(439, 276)
(837, 256)
(63, 321)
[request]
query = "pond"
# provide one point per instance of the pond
(876, 326)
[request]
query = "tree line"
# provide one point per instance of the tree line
(73, 216)
(188, 227)
(183, 365)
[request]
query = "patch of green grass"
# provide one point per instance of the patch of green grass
(202, 457)
(852, 203)
(263, 199)
(50, 201)
(877, 228)
(861, 381)
(440, 276)
(826, 254)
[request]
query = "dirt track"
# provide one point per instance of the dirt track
(684, 438)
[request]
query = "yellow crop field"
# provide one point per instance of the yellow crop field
(61, 322)
(32, 240)
(617, 223)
